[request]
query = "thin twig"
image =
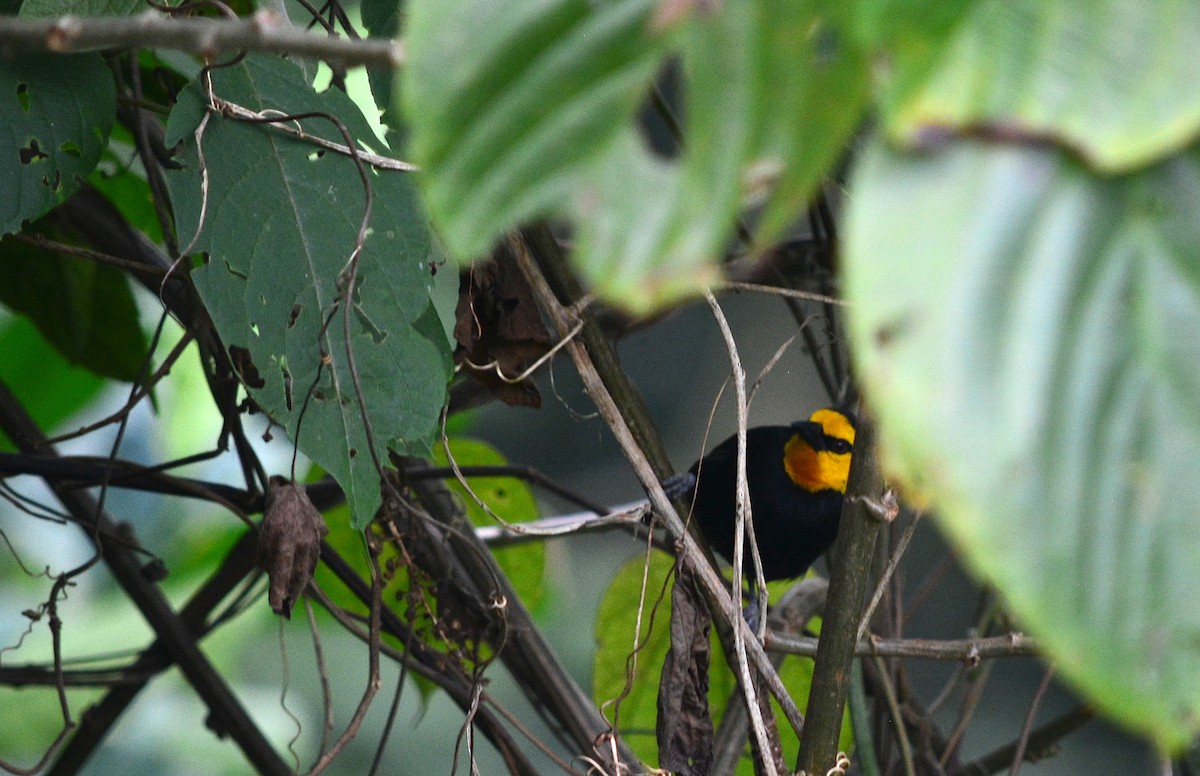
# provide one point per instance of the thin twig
(1039, 743)
(46, 244)
(1027, 728)
(889, 693)
(790, 293)
(886, 577)
(744, 529)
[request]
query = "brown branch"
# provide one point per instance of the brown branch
(622, 408)
(264, 31)
(421, 659)
(99, 718)
(851, 558)
(464, 562)
(967, 650)
(1039, 744)
(227, 715)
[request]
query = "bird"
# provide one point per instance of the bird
(796, 476)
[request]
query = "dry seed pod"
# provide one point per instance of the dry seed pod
(289, 543)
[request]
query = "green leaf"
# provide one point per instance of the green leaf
(535, 117)
(58, 111)
(619, 674)
(84, 309)
(1113, 80)
(502, 117)
(128, 191)
(1025, 331)
(49, 388)
(775, 89)
(509, 499)
(281, 222)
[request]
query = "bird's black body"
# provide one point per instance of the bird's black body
(796, 513)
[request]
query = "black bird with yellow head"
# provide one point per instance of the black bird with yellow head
(796, 476)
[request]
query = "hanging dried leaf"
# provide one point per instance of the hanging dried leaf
(685, 728)
(499, 328)
(289, 543)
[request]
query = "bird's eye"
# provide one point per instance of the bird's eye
(839, 446)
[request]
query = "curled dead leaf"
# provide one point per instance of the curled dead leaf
(289, 543)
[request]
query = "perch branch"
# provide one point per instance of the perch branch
(264, 31)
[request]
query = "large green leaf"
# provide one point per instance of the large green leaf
(1113, 79)
(55, 116)
(281, 221)
(1026, 334)
(506, 101)
(532, 115)
(774, 90)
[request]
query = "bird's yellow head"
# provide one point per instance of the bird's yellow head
(817, 457)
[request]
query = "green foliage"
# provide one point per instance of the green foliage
(280, 223)
(508, 499)
(48, 387)
(84, 309)
(58, 112)
(629, 674)
(1029, 355)
(1025, 289)
(535, 118)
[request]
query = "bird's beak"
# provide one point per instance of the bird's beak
(811, 432)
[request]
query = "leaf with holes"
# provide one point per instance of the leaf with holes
(57, 113)
(1026, 334)
(280, 219)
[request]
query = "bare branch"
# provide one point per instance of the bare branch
(264, 31)
(969, 650)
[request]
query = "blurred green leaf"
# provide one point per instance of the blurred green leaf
(502, 117)
(57, 112)
(508, 499)
(1114, 80)
(50, 389)
(534, 117)
(84, 309)
(1026, 334)
(281, 223)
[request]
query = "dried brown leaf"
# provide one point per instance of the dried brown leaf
(289, 543)
(498, 326)
(685, 728)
